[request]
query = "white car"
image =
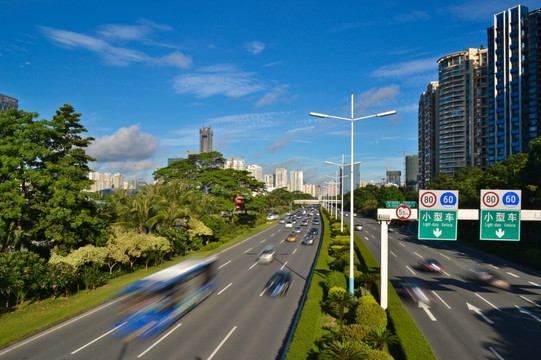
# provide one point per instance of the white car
(358, 227)
(266, 255)
(289, 223)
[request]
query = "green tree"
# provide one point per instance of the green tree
(379, 336)
(389, 193)
(340, 300)
(343, 350)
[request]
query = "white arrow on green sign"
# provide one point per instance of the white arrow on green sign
(437, 224)
(500, 225)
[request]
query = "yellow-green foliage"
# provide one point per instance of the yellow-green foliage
(378, 355)
(355, 332)
(368, 299)
(81, 256)
(197, 228)
(336, 290)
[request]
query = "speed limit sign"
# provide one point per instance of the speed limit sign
(403, 212)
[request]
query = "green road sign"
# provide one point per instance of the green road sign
(501, 225)
(437, 224)
(411, 204)
(392, 204)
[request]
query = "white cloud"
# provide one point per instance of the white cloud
(375, 96)
(406, 69)
(271, 97)
(254, 47)
(126, 144)
(176, 59)
(218, 80)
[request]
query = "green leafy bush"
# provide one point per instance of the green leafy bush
(355, 332)
(336, 279)
(370, 314)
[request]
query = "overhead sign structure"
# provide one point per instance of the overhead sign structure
(438, 214)
(403, 212)
(500, 215)
(392, 204)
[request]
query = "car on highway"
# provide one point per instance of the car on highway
(358, 227)
(266, 255)
(417, 290)
(308, 239)
(282, 221)
(297, 229)
(304, 222)
(292, 237)
(279, 283)
(288, 223)
(487, 277)
(314, 231)
(431, 265)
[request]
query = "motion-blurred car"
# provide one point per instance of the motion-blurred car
(266, 255)
(297, 229)
(308, 239)
(292, 237)
(282, 221)
(417, 290)
(314, 231)
(279, 283)
(289, 223)
(304, 222)
(487, 277)
(431, 265)
(358, 227)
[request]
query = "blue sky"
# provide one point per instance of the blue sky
(146, 76)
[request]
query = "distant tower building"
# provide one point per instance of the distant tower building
(297, 181)
(256, 171)
(205, 139)
(393, 177)
(237, 164)
(7, 102)
(412, 169)
(269, 181)
(281, 178)
(117, 181)
(346, 186)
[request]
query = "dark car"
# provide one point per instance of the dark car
(431, 265)
(279, 283)
(308, 239)
(314, 231)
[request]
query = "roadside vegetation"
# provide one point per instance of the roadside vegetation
(337, 325)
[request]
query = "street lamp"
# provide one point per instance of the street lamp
(351, 226)
(342, 188)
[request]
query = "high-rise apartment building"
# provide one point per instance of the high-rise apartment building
(297, 181)
(256, 171)
(7, 102)
(428, 134)
(235, 164)
(514, 82)
(457, 96)
(269, 181)
(205, 139)
(281, 178)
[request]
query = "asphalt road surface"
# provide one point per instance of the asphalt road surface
(238, 321)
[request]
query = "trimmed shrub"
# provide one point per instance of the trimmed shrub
(370, 314)
(378, 355)
(336, 279)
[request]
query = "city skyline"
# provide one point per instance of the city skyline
(145, 80)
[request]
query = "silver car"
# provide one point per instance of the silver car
(266, 255)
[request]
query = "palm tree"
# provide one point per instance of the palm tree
(340, 301)
(380, 336)
(368, 279)
(343, 350)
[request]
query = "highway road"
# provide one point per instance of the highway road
(238, 321)
(466, 320)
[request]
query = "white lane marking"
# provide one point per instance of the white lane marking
(224, 289)
(273, 234)
(283, 266)
(248, 250)
(224, 264)
(534, 284)
(413, 272)
(418, 255)
(392, 253)
(513, 275)
(493, 266)
(281, 242)
(60, 326)
(439, 297)
(488, 302)
(253, 265)
(425, 307)
(478, 312)
(527, 312)
(446, 273)
(262, 241)
(530, 301)
(495, 353)
(221, 344)
(96, 339)
(294, 251)
(447, 257)
(157, 342)
(402, 245)
(265, 289)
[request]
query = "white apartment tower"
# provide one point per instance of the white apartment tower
(297, 181)
(281, 178)
(256, 171)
